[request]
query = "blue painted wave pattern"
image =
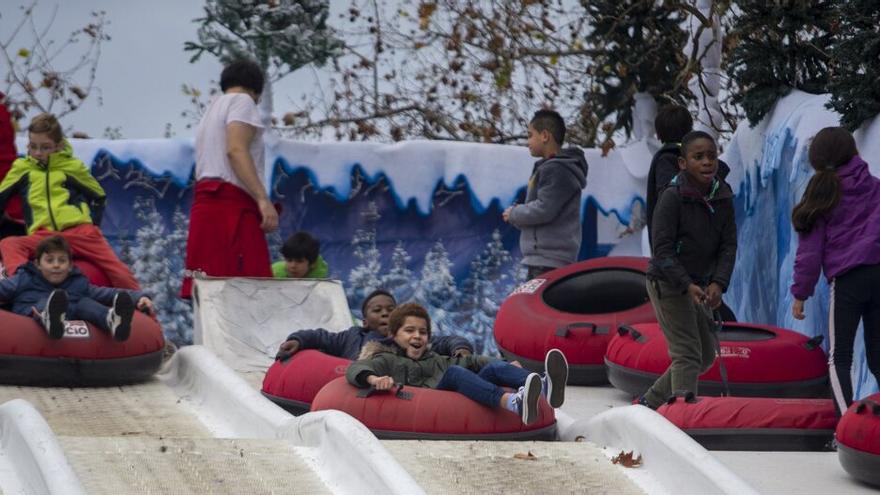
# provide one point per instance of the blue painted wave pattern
(759, 290)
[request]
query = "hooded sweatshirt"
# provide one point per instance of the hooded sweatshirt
(847, 237)
(550, 219)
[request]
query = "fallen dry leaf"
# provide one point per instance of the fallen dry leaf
(625, 459)
(528, 456)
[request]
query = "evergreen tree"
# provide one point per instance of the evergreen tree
(779, 46)
(364, 278)
(483, 292)
(178, 317)
(854, 82)
(638, 46)
(280, 35)
(156, 255)
(436, 289)
(399, 279)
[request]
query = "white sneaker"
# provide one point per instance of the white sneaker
(526, 399)
(120, 315)
(555, 376)
(55, 313)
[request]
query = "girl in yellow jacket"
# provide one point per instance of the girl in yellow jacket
(60, 196)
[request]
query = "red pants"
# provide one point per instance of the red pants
(86, 242)
(225, 239)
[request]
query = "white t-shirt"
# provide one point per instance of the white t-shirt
(211, 158)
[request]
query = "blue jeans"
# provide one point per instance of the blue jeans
(483, 387)
(83, 309)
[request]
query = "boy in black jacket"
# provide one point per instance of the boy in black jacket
(671, 124)
(694, 238)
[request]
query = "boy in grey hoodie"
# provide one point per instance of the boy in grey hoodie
(550, 218)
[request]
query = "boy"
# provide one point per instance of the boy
(550, 219)
(407, 359)
(301, 258)
(61, 198)
(671, 124)
(694, 253)
(51, 290)
(347, 344)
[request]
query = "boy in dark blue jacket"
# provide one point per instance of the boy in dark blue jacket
(52, 291)
(347, 344)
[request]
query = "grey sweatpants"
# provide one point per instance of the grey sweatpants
(688, 330)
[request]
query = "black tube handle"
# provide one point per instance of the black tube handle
(814, 342)
(866, 403)
(563, 330)
(398, 392)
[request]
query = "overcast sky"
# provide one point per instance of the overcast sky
(143, 66)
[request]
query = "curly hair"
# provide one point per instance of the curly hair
(398, 316)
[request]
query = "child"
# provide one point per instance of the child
(838, 226)
(407, 360)
(671, 124)
(694, 253)
(61, 198)
(301, 258)
(52, 291)
(347, 344)
(550, 219)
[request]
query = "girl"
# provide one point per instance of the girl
(61, 198)
(694, 238)
(407, 360)
(838, 226)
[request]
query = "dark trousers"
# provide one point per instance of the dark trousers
(483, 387)
(688, 328)
(537, 271)
(82, 309)
(855, 296)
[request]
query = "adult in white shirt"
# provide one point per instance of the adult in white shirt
(231, 211)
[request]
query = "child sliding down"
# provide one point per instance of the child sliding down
(408, 360)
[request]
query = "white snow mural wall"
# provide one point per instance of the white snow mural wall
(423, 218)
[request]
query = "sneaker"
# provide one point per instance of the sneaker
(120, 315)
(53, 315)
(526, 399)
(642, 401)
(555, 376)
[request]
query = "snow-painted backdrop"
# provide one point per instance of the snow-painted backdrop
(769, 172)
(423, 218)
(420, 218)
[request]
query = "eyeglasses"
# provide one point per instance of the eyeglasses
(42, 148)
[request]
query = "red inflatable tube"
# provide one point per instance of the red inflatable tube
(576, 309)
(858, 440)
(293, 383)
(761, 361)
(84, 356)
(424, 413)
(754, 423)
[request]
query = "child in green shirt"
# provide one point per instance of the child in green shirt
(301, 258)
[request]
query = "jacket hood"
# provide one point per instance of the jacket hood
(689, 189)
(375, 347)
(65, 153)
(572, 159)
(855, 176)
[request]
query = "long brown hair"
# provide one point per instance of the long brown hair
(832, 147)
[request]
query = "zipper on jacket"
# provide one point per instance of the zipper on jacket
(49, 200)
